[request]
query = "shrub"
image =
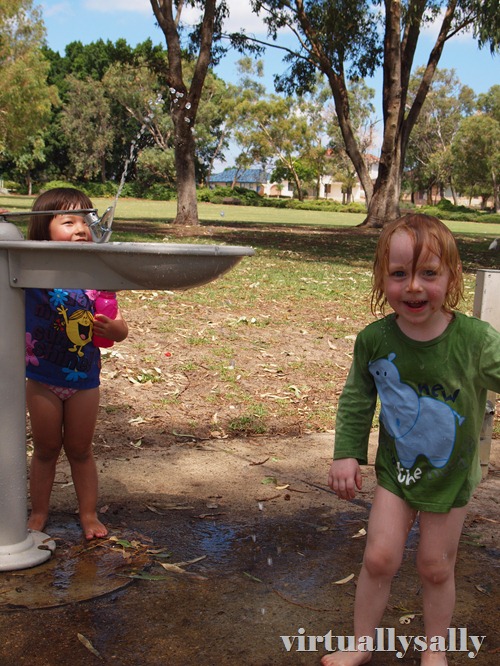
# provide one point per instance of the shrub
(230, 195)
(58, 183)
(12, 186)
(158, 192)
(107, 189)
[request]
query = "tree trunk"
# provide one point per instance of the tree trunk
(185, 102)
(496, 193)
(298, 184)
(453, 193)
(184, 149)
(103, 169)
(384, 204)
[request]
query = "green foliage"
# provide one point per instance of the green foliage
(25, 96)
(476, 155)
(221, 195)
(12, 185)
(94, 190)
(445, 210)
(315, 204)
(203, 194)
(428, 158)
(159, 192)
(51, 184)
(250, 423)
(236, 195)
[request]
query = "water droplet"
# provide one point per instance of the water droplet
(270, 561)
(188, 105)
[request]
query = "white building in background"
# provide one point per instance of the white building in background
(258, 181)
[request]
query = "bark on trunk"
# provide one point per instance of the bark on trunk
(384, 204)
(187, 203)
(399, 52)
(185, 102)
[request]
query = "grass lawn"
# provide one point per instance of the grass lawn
(165, 211)
(285, 318)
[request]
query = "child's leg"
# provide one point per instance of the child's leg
(390, 522)
(80, 415)
(46, 414)
(437, 554)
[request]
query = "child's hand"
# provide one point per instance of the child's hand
(345, 477)
(112, 329)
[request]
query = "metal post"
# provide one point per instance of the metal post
(19, 548)
(487, 307)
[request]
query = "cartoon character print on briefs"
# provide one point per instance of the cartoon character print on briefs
(420, 425)
(62, 333)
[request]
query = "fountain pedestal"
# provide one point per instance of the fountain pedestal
(48, 265)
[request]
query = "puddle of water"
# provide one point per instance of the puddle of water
(74, 573)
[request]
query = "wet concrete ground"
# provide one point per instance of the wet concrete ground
(260, 561)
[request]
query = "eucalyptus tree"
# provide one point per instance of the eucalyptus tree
(248, 90)
(476, 157)
(363, 122)
(281, 131)
(139, 89)
(185, 93)
(489, 102)
(428, 158)
(25, 96)
(86, 121)
(90, 63)
(352, 38)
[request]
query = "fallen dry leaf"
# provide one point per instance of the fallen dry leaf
(406, 619)
(342, 581)
(259, 463)
(85, 641)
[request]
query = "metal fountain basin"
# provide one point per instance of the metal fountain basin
(116, 266)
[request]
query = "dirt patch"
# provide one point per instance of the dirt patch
(272, 539)
(213, 450)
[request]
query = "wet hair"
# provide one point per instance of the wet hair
(58, 198)
(429, 236)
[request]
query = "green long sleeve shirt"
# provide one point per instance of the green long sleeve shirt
(432, 396)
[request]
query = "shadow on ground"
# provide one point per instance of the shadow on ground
(260, 544)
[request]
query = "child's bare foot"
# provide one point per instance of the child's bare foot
(346, 658)
(37, 521)
(430, 658)
(92, 527)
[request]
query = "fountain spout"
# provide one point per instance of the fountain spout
(100, 227)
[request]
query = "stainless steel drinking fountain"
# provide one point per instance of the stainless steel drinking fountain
(47, 265)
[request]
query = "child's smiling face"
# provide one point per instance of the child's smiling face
(68, 227)
(416, 294)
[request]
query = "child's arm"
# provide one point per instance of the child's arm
(344, 477)
(113, 329)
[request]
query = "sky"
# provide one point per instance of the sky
(89, 20)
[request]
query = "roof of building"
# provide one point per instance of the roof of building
(246, 176)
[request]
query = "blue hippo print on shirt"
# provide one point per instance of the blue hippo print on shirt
(420, 425)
